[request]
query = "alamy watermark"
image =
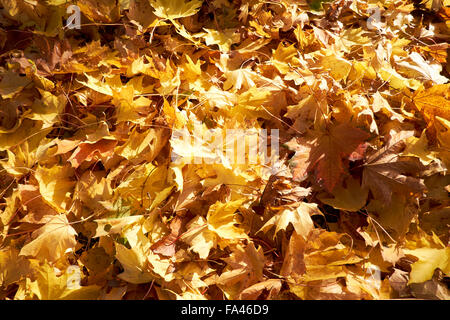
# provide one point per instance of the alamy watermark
(73, 277)
(373, 276)
(74, 20)
(225, 146)
(374, 21)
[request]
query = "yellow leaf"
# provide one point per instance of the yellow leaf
(114, 225)
(429, 260)
(134, 260)
(29, 131)
(396, 80)
(283, 56)
(434, 101)
(144, 185)
(51, 241)
(300, 218)
(48, 108)
(147, 143)
(140, 264)
(224, 38)
(174, 9)
(294, 261)
(192, 71)
(49, 286)
(338, 67)
(135, 265)
(380, 104)
(443, 136)
(221, 220)
(199, 237)
(361, 69)
(97, 85)
(56, 186)
(37, 210)
(418, 147)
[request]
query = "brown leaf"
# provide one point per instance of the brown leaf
(385, 171)
(166, 246)
(37, 210)
(331, 148)
(272, 286)
(88, 151)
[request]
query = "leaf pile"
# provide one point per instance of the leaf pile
(356, 208)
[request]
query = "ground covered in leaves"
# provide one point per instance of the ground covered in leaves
(355, 205)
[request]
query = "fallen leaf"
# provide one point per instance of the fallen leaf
(51, 241)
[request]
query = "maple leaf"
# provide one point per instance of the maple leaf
(396, 217)
(200, 239)
(221, 220)
(310, 109)
(105, 11)
(135, 259)
(48, 108)
(95, 192)
(273, 286)
(418, 147)
(52, 240)
(318, 259)
(88, 151)
(351, 198)
(380, 104)
(434, 101)
(429, 259)
(55, 185)
(424, 69)
(96, 260)
(114, 225)
(166, 246)
(244, 268)
(169, 9)
(88, 140)
(12, 266)
(294, 264)
(224, 39)
(49, 286)
(135, 265)
(385, 171)
(283, 56)
(148, 144)
(145, 183)
(330, 148)
(338, 67)
(11, 84)
(300, 218)
(430, 254)
(442, 126)
(38, 210)
(141, 13)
